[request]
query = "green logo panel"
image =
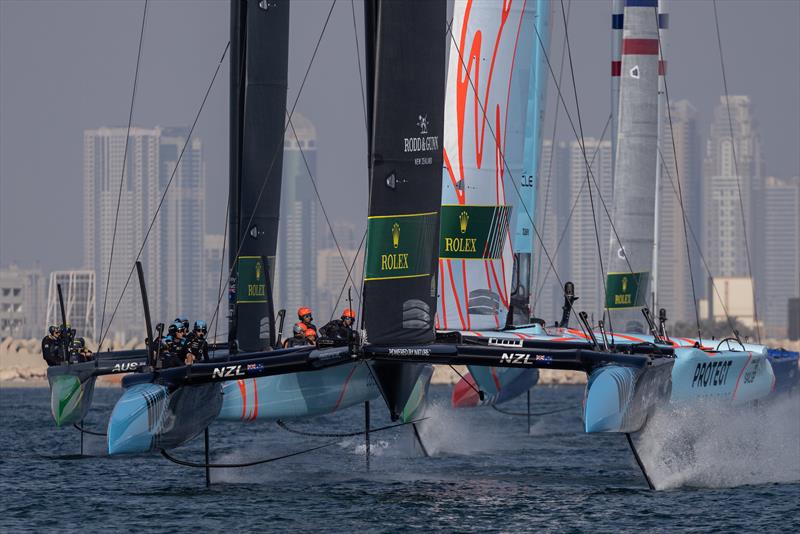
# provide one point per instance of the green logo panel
(252, 280)
(473, 232)
(400, 246)
(626, 290)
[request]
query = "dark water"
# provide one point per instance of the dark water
(486, 474)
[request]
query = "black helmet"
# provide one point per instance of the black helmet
(185, 322)
(52, 329)
(171, 329)
(200, 326)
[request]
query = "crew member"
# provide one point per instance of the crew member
(305, 316)
(340, 330)
(51, 346)
(198, 345)
(311, 336)
(298, 338)
(78, 351)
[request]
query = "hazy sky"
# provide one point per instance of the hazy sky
(66, 66)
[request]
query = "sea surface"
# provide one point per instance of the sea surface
(486, 472)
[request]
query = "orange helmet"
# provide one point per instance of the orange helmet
(299, 328)
(303, 311)
(310, 332)
(350, 314)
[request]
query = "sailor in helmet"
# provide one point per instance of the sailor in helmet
(51, 346)
(306, 316)
(298, 338)
(198, 345)
(341, 330)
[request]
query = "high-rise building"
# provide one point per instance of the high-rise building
(724, 243)
(175, 243)
(585, 268)
(552, 213)
(781, 253)
(674, 280)
(296, 272)
(22, 303)
(78, 290)
(333, 282)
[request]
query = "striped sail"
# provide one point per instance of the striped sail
(486, 104)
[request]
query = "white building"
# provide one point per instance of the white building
(22, 303)
(724, 244)
(78, 291)
(333, 282)
(213, 261)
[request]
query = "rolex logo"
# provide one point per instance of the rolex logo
(624, 284)
(463, 220)
(396, 235)
(258, 270)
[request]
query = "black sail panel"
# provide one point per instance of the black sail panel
(258, 111)
(405, 185)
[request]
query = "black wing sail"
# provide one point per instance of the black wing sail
(259, 70)
(407, 112)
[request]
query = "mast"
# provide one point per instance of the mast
(631, 250)
(524, 235)
(405, 184)
(260, 49)
(663, 25)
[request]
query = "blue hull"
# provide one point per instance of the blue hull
(148, 417)
(621, 399)
(297, 394)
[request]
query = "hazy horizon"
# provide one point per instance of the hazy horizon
(68, 66)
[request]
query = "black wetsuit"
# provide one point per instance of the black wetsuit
(338, 332)
(295, 342)
(51, 350)
(199, 347)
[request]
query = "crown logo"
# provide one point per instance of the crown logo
(396, 235)
(258, 270)
(624, 284)
(463, 220)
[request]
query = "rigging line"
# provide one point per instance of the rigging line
(122, 174)
(736, 170)
(279, 147)
(215, 315)
(537, 414)
(321, 204)
(502, 154)
(286, 427)
(574, 205)
(467, 382)
(684, 220)
(358, 60)
(583, 150)
(349, 270)
(185, 463)
(86, 431)
(697, 244)
(166, 189)
(578, 138)
(550, 160)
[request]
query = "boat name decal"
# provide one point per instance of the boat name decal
(409, 352)
(711, 373)
(126, 366)
(226, 371)
(517, 358)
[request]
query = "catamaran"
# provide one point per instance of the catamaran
(411, 136)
